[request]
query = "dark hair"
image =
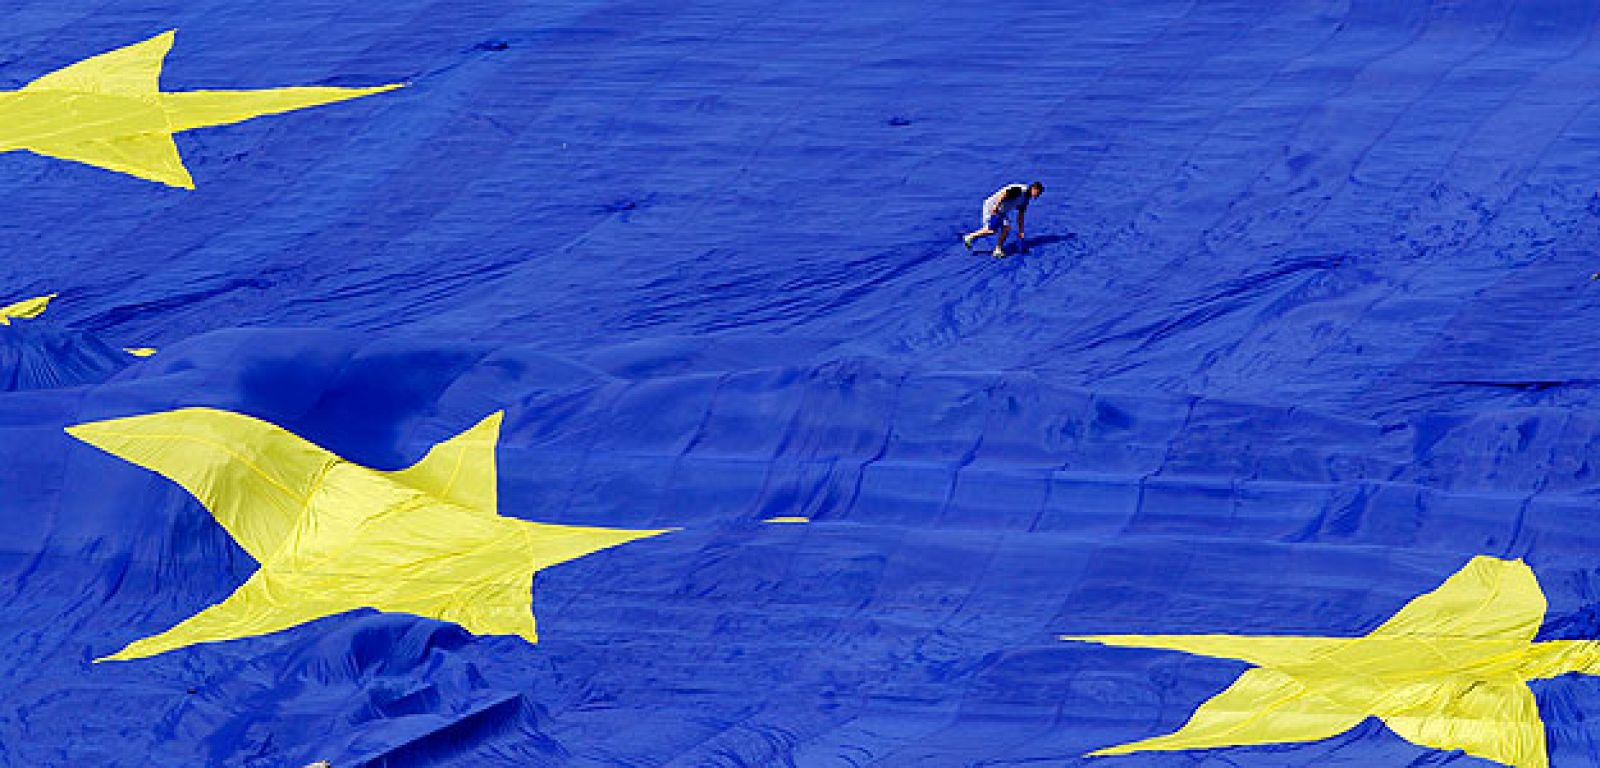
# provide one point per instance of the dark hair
(1037, 187)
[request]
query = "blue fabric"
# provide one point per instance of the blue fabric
(1305, 326)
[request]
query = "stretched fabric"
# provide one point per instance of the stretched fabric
(606, 383)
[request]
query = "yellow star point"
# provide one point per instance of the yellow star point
(26, 309)
(1450, 671)
(332, 536)
(109, 112)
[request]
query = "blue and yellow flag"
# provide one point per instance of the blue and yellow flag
(607, 384)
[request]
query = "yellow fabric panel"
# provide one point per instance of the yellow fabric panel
(63, 119)
(461, 470)
(254, 477)
(1559, 657)
(200, 109)
(1261, 651)
(133, 69)
(109, 112)
(1448, 671)
(148, 156)
(1487, 598)
(1495, 719)
(1262, 707)
(140, 351)
(26, 309)
(332, 536)
(248, 612)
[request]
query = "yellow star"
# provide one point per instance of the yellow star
(1449, 671)
(109, 111)
(332, 536)
(26, 309)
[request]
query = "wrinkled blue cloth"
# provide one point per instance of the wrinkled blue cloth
(1305, 326)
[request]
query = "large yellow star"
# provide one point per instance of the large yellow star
(1449, 671)
(109, 111)
(332, 536)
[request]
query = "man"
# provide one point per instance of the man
(1012, 197)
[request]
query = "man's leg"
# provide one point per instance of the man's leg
(991, 221)
(1000, 241)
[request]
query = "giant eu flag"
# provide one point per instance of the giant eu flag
(604, 383)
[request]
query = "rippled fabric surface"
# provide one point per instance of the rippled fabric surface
(1286, 417)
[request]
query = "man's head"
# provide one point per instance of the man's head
(1036, 189)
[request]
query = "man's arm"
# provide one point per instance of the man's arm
(1022, 215)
